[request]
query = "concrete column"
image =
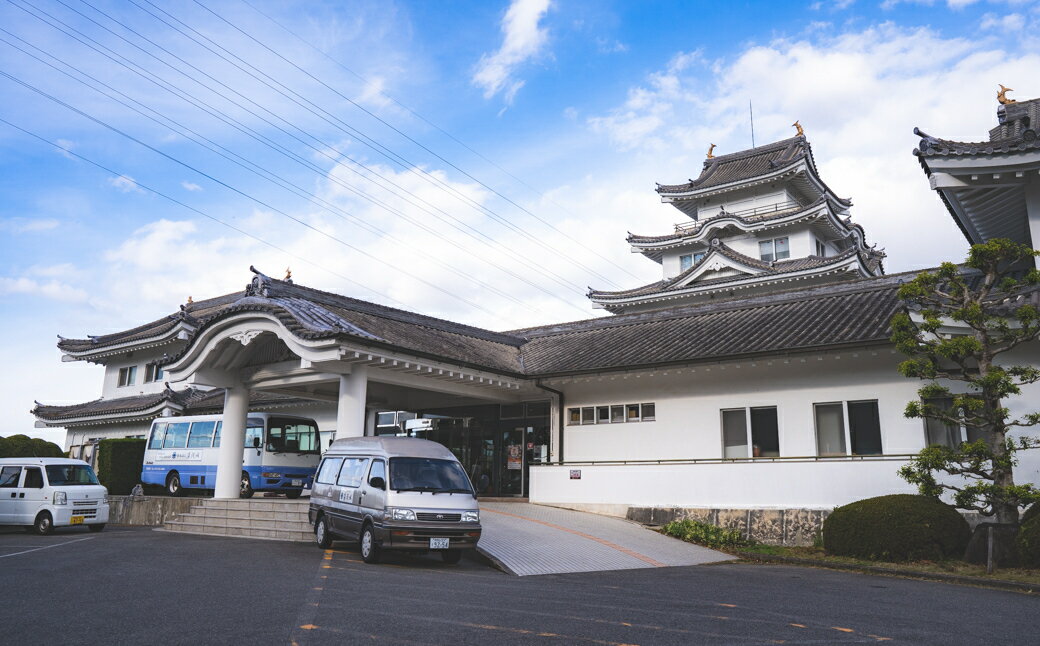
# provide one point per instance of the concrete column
(350, 411)
(370, 422)
(232, 442)
(1033, 211)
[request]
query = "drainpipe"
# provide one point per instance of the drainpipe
(560, 412)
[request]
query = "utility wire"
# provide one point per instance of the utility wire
(319, 150)
(192, 99)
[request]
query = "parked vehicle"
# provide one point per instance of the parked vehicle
(280, 454)
(43, 493)
(394, 493)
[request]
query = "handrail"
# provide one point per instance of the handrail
(786, 458)
(684, 227)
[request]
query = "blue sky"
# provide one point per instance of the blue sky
(479, 161)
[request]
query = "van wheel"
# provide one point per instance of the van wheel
(246, 489)
(44, 524)
(369, 548)
(451, 557)
(321, 533)
(173, 484)
(96, 528)
(293, 495)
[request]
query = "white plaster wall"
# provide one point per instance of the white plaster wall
(742, 200)
(110, 387)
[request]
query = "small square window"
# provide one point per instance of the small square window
(632, 412)
(588, 415)
(127, 376)
(699, 256)
(617, 414)
(648, 412)
(574, 416)
(685, 262)
(603, 414)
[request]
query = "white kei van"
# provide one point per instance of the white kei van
(43, 493)
(394, 493)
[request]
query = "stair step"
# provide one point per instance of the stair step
(244, 532)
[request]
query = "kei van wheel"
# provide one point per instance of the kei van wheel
(451, 557)
(173, 484)
(246, 488)
(369, 547)
(321, 533)
(96, 528)
(44, 524)
(294, 494)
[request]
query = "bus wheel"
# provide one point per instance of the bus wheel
(294, 494)
(44, 523)
(321, 533)
(173, 484)
(246, 490)
(369, 548)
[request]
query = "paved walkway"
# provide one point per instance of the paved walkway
(526, 539)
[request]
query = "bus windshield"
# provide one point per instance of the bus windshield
(428, 474)
(285, 435)
(64, 475)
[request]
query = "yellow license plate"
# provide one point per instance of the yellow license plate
(76, 520)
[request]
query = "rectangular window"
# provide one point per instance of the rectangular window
(648, 412)
(9, 477)
(617, 414)
(865, 428)
(216, 435)
(176, 435)
(386, 419)
(852, 425)
(574, 416)
(33, 478)
(685, 262)
(253, 433)
(329, 469)
(821, 250)
(158, 433)
(353, 472)
(588, 415)
(830, 430)
(755, 428)
(127, 376)
(378, 471)
(775, 249)
(201, 436)
(938, 432)
(537, 409)
(699, 256)
(632, 413)
(152, 372)
(603, 414)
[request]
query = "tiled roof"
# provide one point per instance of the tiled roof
(836, 315)
(697, 226)
(743, 165)
(1017, 132)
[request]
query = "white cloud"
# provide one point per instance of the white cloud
(191, 186)
(28, 225)
(610, 46)
(1010, 22)
(50, 289)
(125, 183)
(523, 39)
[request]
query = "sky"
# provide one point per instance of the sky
(478, 161)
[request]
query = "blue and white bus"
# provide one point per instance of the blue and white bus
(280, 454)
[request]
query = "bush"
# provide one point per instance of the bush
(119, 464)
(23, 446)
(900, 527)
(1029, 542)
(705, 534)
(1030, 514)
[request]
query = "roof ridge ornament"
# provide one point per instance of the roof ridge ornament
(800, 133)
(1002, 97)
(288, 275)
(711, 150)
(260, 284)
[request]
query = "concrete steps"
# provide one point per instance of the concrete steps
(282, 520)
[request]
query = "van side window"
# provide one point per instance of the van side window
(378, 471)
(353, 472)
(158, 432)
(329, 469)
(9, 477)
(33, 478)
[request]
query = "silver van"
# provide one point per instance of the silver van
(397, 493)
(43, 493)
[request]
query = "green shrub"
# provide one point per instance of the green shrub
(1030, 514)
(119, 464)
(23, 446)
(705, 534)
(899, 527)
(1029, 542)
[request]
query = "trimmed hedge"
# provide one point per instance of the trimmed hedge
(706, 534)
(899, 527)
(119, 464)
(23, 446)
(1029, 542)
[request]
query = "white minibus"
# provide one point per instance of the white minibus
(43, 493)
(280, 453)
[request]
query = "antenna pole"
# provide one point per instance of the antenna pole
(752, 113)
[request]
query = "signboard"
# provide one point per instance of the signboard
(575, 474)
(514, 457)
(180, 455)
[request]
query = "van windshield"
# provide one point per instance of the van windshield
(65, 475)
(428, 474)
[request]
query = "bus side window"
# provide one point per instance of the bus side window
(216, 435)
(158, 433)
(201, 435)
(176, 435)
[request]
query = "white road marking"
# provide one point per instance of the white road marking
(46, 547)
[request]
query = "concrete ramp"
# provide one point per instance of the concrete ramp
(526, 539)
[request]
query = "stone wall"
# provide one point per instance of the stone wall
(149, 511)
(769, 526)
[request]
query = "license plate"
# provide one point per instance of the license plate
(439, 543)
(76, 520)
(297, 483)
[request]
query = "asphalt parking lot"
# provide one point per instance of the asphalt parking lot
(138, 586)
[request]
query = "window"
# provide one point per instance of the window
(176, 435)
(9, 477)
(254, 431)
(648, 412)
(386, 419)
(537, 409)
(863, 424)
(511, 411)
(201, 435)
(353, 472)
(216, 435)
(152, 372)
(292, 436)
(378, 471)
(821, 249)
(775, 249)
(127, 376)
(617, 414)
(158, 432)
(632, 412)
(588, 415)
(612, 414)
(33, 478)
(763, 438)
(574, 416)
(685, 262)
(603, 414)
(329, 469)
(949, 435)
